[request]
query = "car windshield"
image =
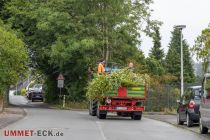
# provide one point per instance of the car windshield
(38, 86)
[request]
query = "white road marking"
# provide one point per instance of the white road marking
(100, 129)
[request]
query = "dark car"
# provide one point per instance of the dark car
(36, 93)
(189, 104)
(205, 105)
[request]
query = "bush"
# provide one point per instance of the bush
(23, 92)
(207, 85)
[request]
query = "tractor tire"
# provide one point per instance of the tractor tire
(93, 107)
(119, 113)
(136, 116)
(100, 114)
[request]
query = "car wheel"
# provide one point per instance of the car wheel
(189, 121)
(179, 122)
(203, 130)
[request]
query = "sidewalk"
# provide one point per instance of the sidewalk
(162, 117)
(11, 115)
(171, 119)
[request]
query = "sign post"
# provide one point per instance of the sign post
(60, 83)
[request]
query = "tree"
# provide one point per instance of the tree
(13, 58)
(67, 36)
(156, 52)
(202, 47)
(173, 63)
(154, 66)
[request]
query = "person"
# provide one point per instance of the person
(131, 66)
(101, 67)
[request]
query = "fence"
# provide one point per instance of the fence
(162, 98)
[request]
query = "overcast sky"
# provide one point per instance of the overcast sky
(195, 14)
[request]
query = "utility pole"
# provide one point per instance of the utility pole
(181, 27)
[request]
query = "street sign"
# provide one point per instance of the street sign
(60, 81)
(60, 77)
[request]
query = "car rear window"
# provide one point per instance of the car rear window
(197, 92)
(197, 95)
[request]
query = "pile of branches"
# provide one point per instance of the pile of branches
(99, 86)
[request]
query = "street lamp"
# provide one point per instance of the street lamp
(180, 27)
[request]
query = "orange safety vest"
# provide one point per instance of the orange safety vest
(100, 69)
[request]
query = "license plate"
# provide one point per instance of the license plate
(121, 108)
(37, 96)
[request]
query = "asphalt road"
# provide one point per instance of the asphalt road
(78, 125)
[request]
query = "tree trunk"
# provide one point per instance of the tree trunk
(1, 104)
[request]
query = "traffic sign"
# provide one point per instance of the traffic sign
(60, 81)
(60, 77)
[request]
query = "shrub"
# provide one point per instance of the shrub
(207, 85)
(23, 92)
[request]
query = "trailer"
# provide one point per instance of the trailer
(125, 101)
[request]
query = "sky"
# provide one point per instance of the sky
(195, 14)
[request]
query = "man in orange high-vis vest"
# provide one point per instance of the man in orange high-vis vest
(101, 67)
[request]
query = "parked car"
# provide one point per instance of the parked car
(36, 95)
(36, 92)
(189, 104)
(205, 105)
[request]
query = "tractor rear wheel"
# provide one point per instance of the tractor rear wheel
(136, 115)
(93, 107)
(101, 114)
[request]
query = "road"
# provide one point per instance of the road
(78, 125)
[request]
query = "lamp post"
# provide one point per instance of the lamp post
(181, 27)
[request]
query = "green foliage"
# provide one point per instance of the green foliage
(99, 86)
(68, 35)
(201, 48)
(207, 85)
(13, 57)
(154, 66)
(23, 92)
(173, 63)
(156, 52)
